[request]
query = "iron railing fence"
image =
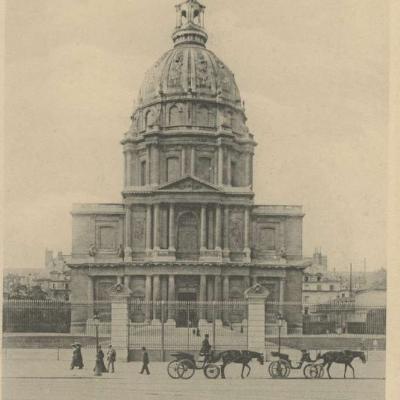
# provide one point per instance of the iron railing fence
(36, 316)
(173, 325)
(228, 319)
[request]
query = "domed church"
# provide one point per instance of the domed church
(187, 227)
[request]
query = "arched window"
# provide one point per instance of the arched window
(176, 117)
(143, 173)
(149, 119)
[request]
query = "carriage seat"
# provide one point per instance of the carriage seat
(280, 355)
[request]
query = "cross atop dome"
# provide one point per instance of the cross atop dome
(190, 23)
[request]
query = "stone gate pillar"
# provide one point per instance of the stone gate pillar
(120, 295)
(256, 296)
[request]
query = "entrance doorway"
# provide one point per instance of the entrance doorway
(187, 313)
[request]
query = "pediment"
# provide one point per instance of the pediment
(189, 184)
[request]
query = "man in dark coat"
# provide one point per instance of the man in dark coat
(77, 360)
(205, 348)
(146, 361)
(111, 358)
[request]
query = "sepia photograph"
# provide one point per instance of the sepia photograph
(196, 199)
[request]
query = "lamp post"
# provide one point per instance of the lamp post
(280, 319)
(96, 321)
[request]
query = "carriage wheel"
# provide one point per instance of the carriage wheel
(186, 369)
(311, 371)
(172, 369)
(211, 371)
(279, 369)
(320, 370)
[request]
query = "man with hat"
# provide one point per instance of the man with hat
(205, 348)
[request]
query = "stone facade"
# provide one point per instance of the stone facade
(187, 228)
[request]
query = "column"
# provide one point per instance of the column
(128, 168)
(148, 228)
(203, 228)
(156, 229)
(147, 298)
(210, 296)
(246, 169)
(225, 297)
(192, 161)
(90, 297)
(228, 168)
(256, 320)
(217, 296)
(203, 297)
(148, 176)
(120, 324)
(183, 161)
(156, 298)
(220, 165)
(246, 249)
(226, 231)
(171, 228)
(251, 171)
(281, 295)
(128, 229)
(171, 298)
(218, 227)
(156, 166)
(125, 169)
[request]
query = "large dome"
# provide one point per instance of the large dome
(189, 86)
(189, 69)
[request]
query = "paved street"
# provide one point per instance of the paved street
(28, 379)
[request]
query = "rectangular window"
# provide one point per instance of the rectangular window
(173, 169)
(204, 170)
(143, 173)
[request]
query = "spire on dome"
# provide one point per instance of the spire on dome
(190, 23)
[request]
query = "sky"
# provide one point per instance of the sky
(313, 75)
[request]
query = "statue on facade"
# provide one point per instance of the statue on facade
(283, 253)
(121, 252)
(92, 250)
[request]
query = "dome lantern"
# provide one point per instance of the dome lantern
(190, 24)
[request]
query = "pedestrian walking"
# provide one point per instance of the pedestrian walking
(77, 360)
(111, 358)
(146, 361)
(100, 354)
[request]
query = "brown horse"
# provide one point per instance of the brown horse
(341, 357)
(239, 357)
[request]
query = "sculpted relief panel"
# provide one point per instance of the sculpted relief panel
(138, 228)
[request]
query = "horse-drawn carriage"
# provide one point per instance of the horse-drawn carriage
(184, 366)
(281, 368)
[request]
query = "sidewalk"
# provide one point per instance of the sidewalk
(40, 363)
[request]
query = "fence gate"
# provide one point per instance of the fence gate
(181, 325)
